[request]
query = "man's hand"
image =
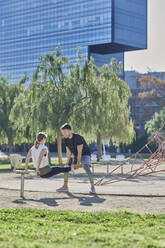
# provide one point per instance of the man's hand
(76, 167)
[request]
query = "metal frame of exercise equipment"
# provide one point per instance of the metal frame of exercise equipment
(16, 161)
(148, 166)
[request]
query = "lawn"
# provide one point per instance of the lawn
(32, 228)
(6, 165)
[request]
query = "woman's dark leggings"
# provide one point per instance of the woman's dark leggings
(57, 170)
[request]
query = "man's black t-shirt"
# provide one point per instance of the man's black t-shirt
(75, 141)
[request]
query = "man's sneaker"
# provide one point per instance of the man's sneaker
(92, 191)
(62, 189)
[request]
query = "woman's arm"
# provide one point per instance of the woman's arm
(28, 157)
(42, 153)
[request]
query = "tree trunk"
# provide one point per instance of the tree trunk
(59, 147)
(10, 145)
(24, 147)
(99, 147)
(123, 148)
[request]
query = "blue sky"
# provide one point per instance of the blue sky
(152, 59)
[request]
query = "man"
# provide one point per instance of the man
(76, 146)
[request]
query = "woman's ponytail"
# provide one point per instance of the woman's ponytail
(40, 136)
(36, 144)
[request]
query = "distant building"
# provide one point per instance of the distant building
(103, 29)
(138, 114)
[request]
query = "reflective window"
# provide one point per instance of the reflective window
(32, 28)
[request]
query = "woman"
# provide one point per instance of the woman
(39, 155)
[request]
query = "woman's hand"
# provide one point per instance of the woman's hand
(37, 172)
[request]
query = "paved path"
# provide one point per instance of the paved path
(78, 183)
(146, 194)
(82, 202)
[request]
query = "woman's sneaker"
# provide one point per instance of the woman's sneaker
(62, 189)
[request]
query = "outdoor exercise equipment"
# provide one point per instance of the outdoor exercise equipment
(16, 161)
(137, 165)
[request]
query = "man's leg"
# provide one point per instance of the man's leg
(86, 161)
(66, 175)
(64, 188)
(66, 178)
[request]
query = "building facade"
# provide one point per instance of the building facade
(102, 28)
(141, 111)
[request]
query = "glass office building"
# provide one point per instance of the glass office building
(102, 28)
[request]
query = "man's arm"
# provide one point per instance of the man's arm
(79, 150)
(28, 157)
(68, 154)
(42, 153)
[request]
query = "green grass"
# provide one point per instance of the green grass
(32, 228)
(6, 165)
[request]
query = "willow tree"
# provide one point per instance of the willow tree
(26, 112)
(94, 100)
(42, 103)
(50, 99)
(62, 95)
(8, 94)
(107, 114)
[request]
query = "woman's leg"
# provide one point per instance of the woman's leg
(57, 170)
